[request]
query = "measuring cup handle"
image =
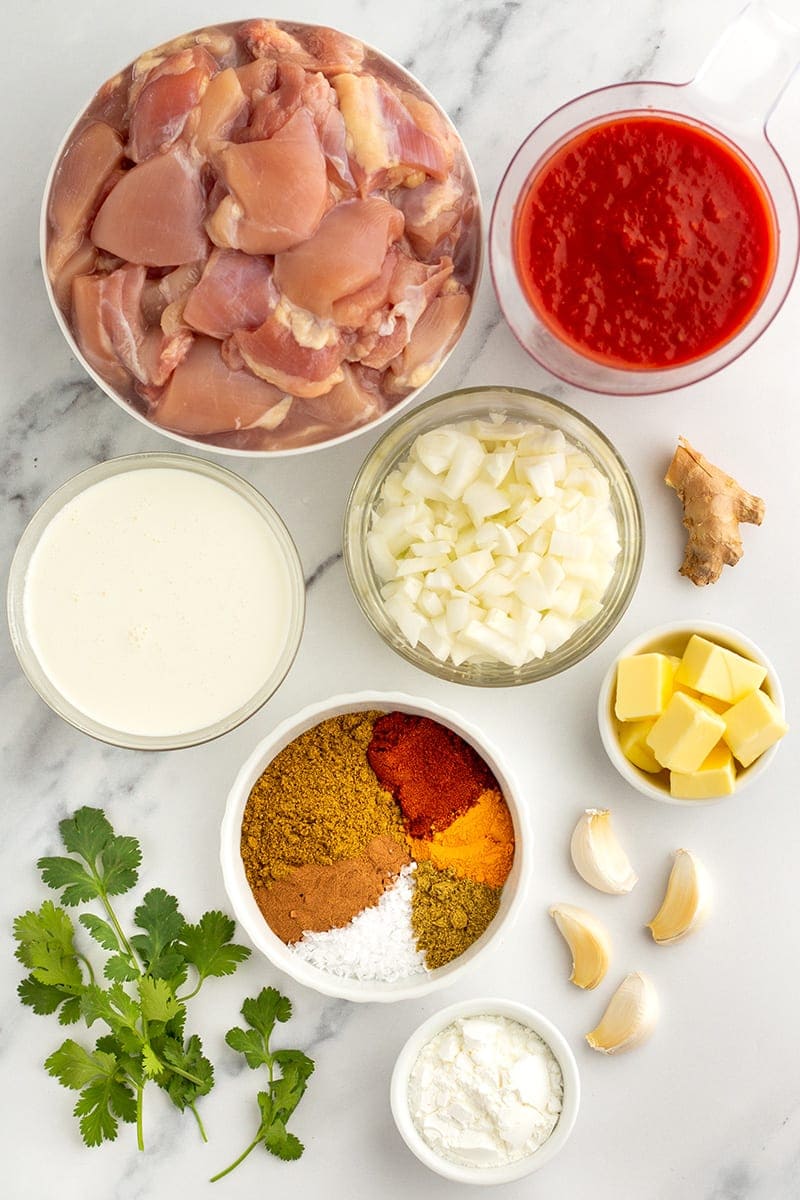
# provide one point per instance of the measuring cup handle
(748, 68)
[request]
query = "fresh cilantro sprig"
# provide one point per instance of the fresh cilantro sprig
(138, 996)
(289, 1072)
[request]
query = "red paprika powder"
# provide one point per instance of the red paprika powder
(434, 775)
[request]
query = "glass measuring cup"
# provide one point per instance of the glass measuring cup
(731, 98)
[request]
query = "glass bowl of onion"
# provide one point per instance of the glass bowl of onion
(493, 537)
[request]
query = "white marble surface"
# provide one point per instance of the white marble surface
(710, 1108)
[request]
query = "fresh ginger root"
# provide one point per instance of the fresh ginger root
(713, 506)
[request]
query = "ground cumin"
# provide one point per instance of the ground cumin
(320, 897)
(318, 801)
(479, 845)
(448, 914)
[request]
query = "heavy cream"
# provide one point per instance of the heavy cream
(158, 601)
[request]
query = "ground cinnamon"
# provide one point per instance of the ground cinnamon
(320, 896)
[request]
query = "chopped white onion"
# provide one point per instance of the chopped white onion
(493, 541)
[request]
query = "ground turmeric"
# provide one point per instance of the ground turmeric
(479, 845)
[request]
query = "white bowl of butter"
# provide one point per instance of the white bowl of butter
(156, 601)
(486, 1091)
(712, 692)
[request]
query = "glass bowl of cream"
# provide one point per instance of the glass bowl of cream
(485, 1091)
(156, 601)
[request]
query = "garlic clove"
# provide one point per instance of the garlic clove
(588, 941)
(630, 1016)
(686, 901)
(598, 856)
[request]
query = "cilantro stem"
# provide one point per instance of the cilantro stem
(200, 1125)
(240, 1159)
(185, 1074)
(139, 1131)
(193, 993)
(85, 960)
(112, 916)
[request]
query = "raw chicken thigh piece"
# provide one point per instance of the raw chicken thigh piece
(344, 255)
(90, 333)
(321, 48)
(352, 311)
(235, 292)
(273, 352)
(204, 396)
(433, 213)
(352, 402)
(114, 305)
(279, 190)
(159, 294)
(272, 111)
(165, 101)
(155, 214)
(222, 109)
(389, 147)
(435, 333)
(78, 186)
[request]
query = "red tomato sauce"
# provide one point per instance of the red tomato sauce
(645, 242)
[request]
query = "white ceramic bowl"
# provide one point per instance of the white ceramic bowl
(471, 248)
(672, 639)
(485, 1007)
(248, 912)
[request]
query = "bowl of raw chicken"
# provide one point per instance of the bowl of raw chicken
(262, 237)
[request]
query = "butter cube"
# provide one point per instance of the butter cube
(752, 726)
(633, 743)
(685, 734)
(716, 776)
(718, 672)
(644, 685)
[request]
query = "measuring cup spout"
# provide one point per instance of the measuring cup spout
(748, 68)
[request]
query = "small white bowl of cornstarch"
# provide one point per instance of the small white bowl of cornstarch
(340, 874)
(486, 1091)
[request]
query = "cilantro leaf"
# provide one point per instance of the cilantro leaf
(190, 1060)
(120, 968)
(281, 1143)
(86, 833)
(96, 1119)
(250, 1043)
(114, 1006)
(208, 946)
(46, 947)
(286, 1089)
(121, 859)
(263, 1010)
(74, 1067)
(159, 917)
(145, 1023)
(102, 932)
(68, 874)
(45, 998)
(158, 1000)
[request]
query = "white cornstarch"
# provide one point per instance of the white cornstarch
(485, 1092)
(378, 944)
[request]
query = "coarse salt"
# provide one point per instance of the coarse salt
(486, 1091)
(377, 945)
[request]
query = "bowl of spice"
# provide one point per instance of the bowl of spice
(374, 845)
(485, 1091)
